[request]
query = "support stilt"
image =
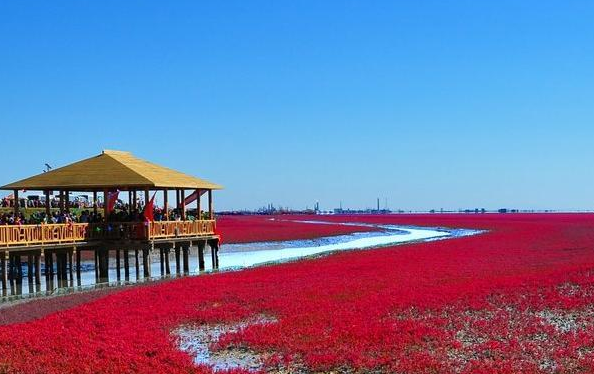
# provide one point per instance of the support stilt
(50, 262)
(30, 269)
(126, 265)
(96, 251)
(38, 271)
(146, 262)
(103, 265)
(177, 260)
(213, 256)
(201, 245)
(5, 264)
(78, 280)
(118, 271)
(71, 267)
(30, 274)
(186, 258)
(167, 268)
(136, 264)
(18, 274)
(162, 259)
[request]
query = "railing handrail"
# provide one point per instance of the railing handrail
(57, 233)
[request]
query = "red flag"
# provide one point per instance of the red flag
(193, 196)
(112, 198)
(148, 211)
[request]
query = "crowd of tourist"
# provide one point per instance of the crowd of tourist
(121, 213)
(9, 201)
(55, 217)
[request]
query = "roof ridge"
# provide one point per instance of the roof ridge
(111, 154)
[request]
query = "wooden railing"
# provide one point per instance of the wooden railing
(23, 235)
(173, 229)
(42, 234)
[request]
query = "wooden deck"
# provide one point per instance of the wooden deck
(58, 247)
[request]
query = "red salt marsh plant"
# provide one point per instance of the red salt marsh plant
(517, 299)
(246, 229)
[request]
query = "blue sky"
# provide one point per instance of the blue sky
(430, 104)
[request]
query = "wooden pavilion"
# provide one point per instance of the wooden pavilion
(58, 246)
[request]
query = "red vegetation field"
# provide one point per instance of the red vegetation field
(518, 299)
(247, 229)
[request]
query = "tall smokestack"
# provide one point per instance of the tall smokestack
(378, 204)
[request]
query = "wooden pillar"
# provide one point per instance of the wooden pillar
(162, 259)
(129, 201)
(167, 267)
(165, 205)
(146, 262)
(30, 268)
(213, 254)
(58, 271)
(61, 205)
(30, 272)
(49, 263)
(146, 196)
(38, 271)
(11, 273)
(95, 204)
(51, 269)
(16, 202)
(5, 264)
(105, 204)
(45, 268)
(126, 265)
(71, 266)
(216, 249)
(78, 277)
(19, 274)
(48, 205)
(103, 265)
(134, 200)
(49, 272)
(64, 267)
(201, 245)
(64, 258)
(210, 205)
(67, 201)
(136, 264)
(177, 260)
(186, 258)
(58, 259)
(96, 253)
(182, 194)
(177, 202)
(118, 261)
(198, 205)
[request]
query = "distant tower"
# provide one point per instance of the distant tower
(378, 207)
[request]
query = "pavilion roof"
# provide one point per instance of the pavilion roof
(111, 169)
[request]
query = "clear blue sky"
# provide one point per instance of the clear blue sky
(429, 104)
